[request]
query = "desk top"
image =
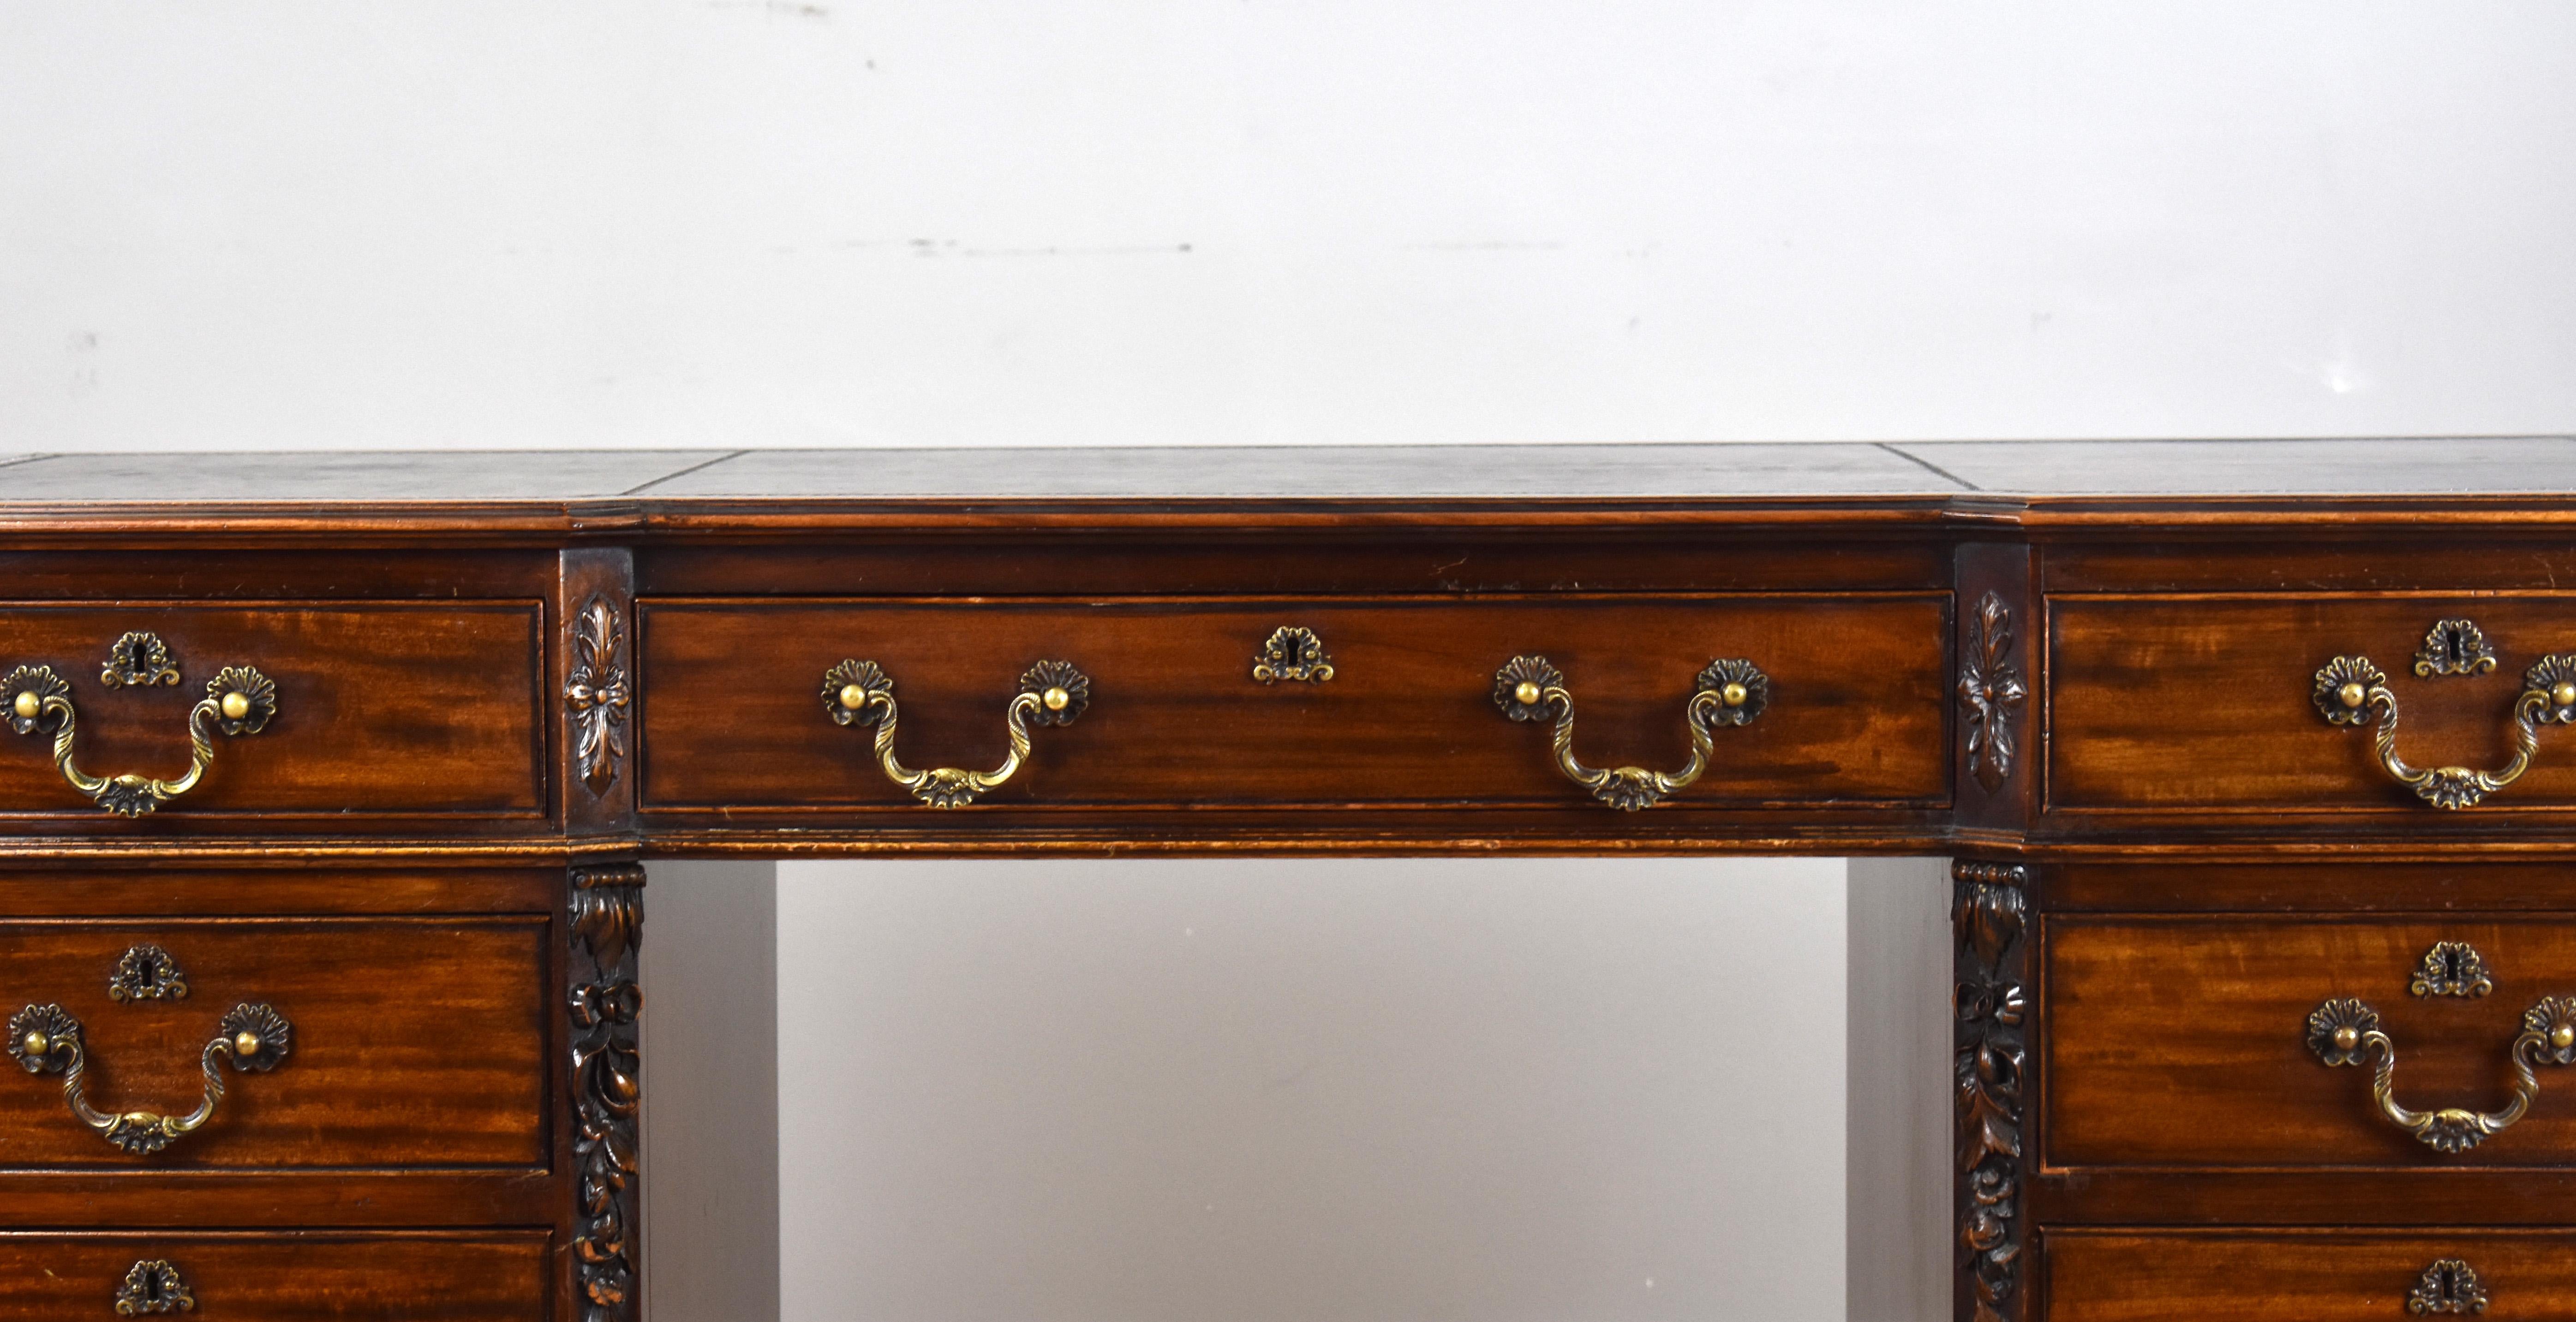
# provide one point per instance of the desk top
(2009, 470)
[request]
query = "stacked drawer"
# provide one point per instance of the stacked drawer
(2342, 1090)
(279, 1094)
(2307, 1090)
(293, 1088)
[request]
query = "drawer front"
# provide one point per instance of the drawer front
(381, 708)
(496, 1276)
(2205, 703)
(2317, 1276)
(412, 1042)
(1857, 708)
(2187, 1042)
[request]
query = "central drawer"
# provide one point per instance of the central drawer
(737, 715)
(2202, 1041)
(410, 1042)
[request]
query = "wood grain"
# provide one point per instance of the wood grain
(314, 1276)
(2182, 1042)
(417, 1042)
(2108, 1276)
(383, 708)
(734, 722)
(2202, 703)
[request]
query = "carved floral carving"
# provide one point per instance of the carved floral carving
(597, 694)
(1989, 1007)
(607, 919)
(1991, 689)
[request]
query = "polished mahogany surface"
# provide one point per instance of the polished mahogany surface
(2101, 676)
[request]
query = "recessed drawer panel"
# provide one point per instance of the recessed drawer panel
(1852, 706)
(376, 709)
(407, 1042)
(2247, 1042)
(2311, 1276)
(2182, 704)
(497, 1276)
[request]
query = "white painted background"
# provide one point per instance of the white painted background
(1390, 1090)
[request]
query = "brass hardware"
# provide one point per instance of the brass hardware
(2454, 647)
(1728, 692)
(860, 693)
(1293, 654)
(239, 700)
(2453, 968)
(153, 1286)
(2448, 1286)
(46, 1039)
(2344, 1031)
(2351, 691)
(147, 973)
(138, 660)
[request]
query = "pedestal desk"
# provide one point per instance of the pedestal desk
(322, 888)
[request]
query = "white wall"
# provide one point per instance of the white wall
(772, 222)
(1287, 1090)
(297, 223)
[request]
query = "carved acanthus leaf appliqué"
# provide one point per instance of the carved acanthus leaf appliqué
(597, 694)
(607, 920)
(1991, 689)
(1990, 1008)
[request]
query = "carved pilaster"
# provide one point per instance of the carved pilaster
(1989, 918)
(597, 702)
(596, 694)
(607, 924)
(1990, 692)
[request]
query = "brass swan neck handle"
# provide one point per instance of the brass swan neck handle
(239, 700)
(46, 1039)
(861, 693)
(2345, 1031)
(1728, 692)
(2351, 691)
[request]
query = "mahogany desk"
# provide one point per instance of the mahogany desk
(322, 895)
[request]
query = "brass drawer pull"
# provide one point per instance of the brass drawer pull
(239, 700)
(860, 693)
(151, 1287)
(2350, 691)
(1729, 692)
(2343, 1031)
(46, 1039)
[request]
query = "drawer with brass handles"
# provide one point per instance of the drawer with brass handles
(1719, 703)
(2417, 705)
(2307, 1276)
(2426, 1043)
(274, 1044)
(303, 1276)
(258, 714)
